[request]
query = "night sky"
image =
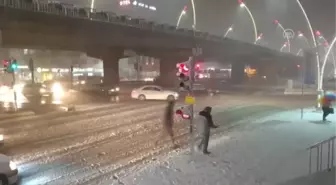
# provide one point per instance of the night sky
(215, 16)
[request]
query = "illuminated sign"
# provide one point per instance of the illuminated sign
(137, 4)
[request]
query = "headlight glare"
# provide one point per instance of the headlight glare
(12, 165)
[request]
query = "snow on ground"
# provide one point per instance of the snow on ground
(264, 151)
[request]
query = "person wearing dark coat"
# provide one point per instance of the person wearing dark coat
(168, 121)
(203, 127)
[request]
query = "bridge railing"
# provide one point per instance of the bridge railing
(91, 14)
(321, 153)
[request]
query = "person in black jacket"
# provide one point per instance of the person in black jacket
(168, 122)
(206, 123)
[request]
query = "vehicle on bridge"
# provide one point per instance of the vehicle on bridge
(153, 92)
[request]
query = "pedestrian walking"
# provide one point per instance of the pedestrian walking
(168, 122)
(326, 105)
(203, 127)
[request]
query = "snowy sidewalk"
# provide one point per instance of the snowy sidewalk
(265, 151)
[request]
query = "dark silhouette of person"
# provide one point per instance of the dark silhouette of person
(168, 121)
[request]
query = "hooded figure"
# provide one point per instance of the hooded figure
(326, 107)
(203, 129)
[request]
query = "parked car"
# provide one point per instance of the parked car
(152, 92)
(8, 171)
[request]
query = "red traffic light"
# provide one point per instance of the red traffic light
(318, 33)
(298, 66)
(240, 1)
(5, 63)
(197, 66)
(276, 22)
(179, 112)
(326, 44)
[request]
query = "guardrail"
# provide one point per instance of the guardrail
(69, 10)
(319, 157)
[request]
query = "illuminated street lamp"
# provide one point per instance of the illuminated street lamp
(283, 46)
(194, 14)
(243, 5)
(183, 12)
(92, 5)
(319, 86)
(325, 59)
(258, 38)
(228, 31)
(326, 47)
(276, 22)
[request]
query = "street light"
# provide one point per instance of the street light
(243, 5)
(92, 5)
(228, 31)
(301, 35)
(325, 59)
(327, 47)
(183, 12)
(283, 46)
(276, 22)
(194, 14)
(319, 86)
(258, 38)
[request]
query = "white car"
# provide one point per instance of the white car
(152, 92)
(8, 171)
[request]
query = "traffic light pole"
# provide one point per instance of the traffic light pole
(31, 67)
(14, 91)
(191, 93)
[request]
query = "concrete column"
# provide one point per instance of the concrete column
(237, 73)
(111, 66)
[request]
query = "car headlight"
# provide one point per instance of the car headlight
(42, 90)
(12, 165)
(176, 94)
(117, 88)
(1, 137)
(112, 90)
(57, 89)
(82, 82)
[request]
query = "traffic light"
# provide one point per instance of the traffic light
(183, 113)
(13, 65)
(197, 67)
(5, 63)
(184, 82)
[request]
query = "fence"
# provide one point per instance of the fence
(320, 166)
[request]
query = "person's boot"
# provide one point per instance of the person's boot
(206, 152)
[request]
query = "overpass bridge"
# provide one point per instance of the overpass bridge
(104, 35)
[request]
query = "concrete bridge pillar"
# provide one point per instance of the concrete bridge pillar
(237, 72)
(110, 59)
(111, 66)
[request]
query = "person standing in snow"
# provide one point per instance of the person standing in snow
(168, 121)
(203, 127)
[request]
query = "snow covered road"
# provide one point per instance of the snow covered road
(92, 144)
(265, 151)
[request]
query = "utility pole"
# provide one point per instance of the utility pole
(32, 70)
(71, 76)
